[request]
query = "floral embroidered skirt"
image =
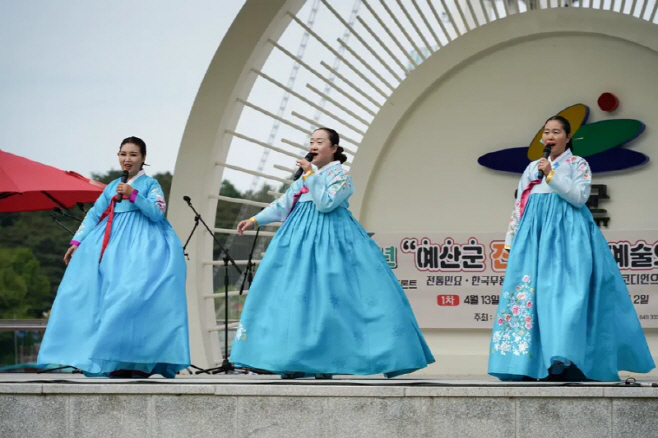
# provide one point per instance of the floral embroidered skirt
(564, 302)
(128, 312)
(324, 301)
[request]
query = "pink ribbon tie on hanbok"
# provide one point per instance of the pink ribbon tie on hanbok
(296, 197)
(525, 195)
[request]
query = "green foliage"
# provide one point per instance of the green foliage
(24, 288)
(32, 246)
(37, 233)
(165, 180)
(107, 177)
(46, 241)
(227, 212)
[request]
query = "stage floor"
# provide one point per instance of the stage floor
(237, 405)
(269, 379)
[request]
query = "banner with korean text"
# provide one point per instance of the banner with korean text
(455, 280)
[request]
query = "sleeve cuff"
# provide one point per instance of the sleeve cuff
(133, 196)
(253, 219)
(74, 242)
(307, 174)
(550, 176)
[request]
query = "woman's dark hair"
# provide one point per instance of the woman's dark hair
(565, 125)
(137, 142)
(334, 138)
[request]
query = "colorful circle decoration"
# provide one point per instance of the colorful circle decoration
(608, 102)
(599, 142)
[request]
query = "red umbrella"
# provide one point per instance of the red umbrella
(26, 185)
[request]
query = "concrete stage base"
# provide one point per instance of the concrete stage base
(264, 406)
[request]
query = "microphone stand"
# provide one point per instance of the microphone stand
(197, 217)
(247, 272)
(226, 366)
(196, 224)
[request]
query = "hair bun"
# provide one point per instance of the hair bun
(340, 154)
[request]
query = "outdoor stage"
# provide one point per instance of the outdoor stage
(65, 405)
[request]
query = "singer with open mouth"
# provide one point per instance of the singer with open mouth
(120, 310)
(324, 301)
(565, 313)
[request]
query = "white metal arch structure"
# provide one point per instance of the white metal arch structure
(400, 49)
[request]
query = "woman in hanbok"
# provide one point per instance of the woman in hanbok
(565, 313)
(324, 301)
(120, 310)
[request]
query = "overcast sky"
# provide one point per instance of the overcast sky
(78, 76)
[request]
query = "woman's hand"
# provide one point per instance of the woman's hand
(545, 166)
(305, 165)
(69, 253)
(245, 225)
(125, 190)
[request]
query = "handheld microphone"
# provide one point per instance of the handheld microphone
(124, 179)
(187, 199)
(308, 157)
(545, 154)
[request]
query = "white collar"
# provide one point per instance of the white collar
(325, 167)
(140, 173)
(566, 153)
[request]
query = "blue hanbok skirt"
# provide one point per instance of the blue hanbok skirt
(128, 312)
(564, 303)
(324, 301)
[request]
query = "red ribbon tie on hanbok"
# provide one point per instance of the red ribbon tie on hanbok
(109, 214)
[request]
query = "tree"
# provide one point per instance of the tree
(46, 242)
(227, 212)
(108, 176)
(45, 239)
(24, 293)
(24, 288)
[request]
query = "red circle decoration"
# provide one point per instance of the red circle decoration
(608, 102)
